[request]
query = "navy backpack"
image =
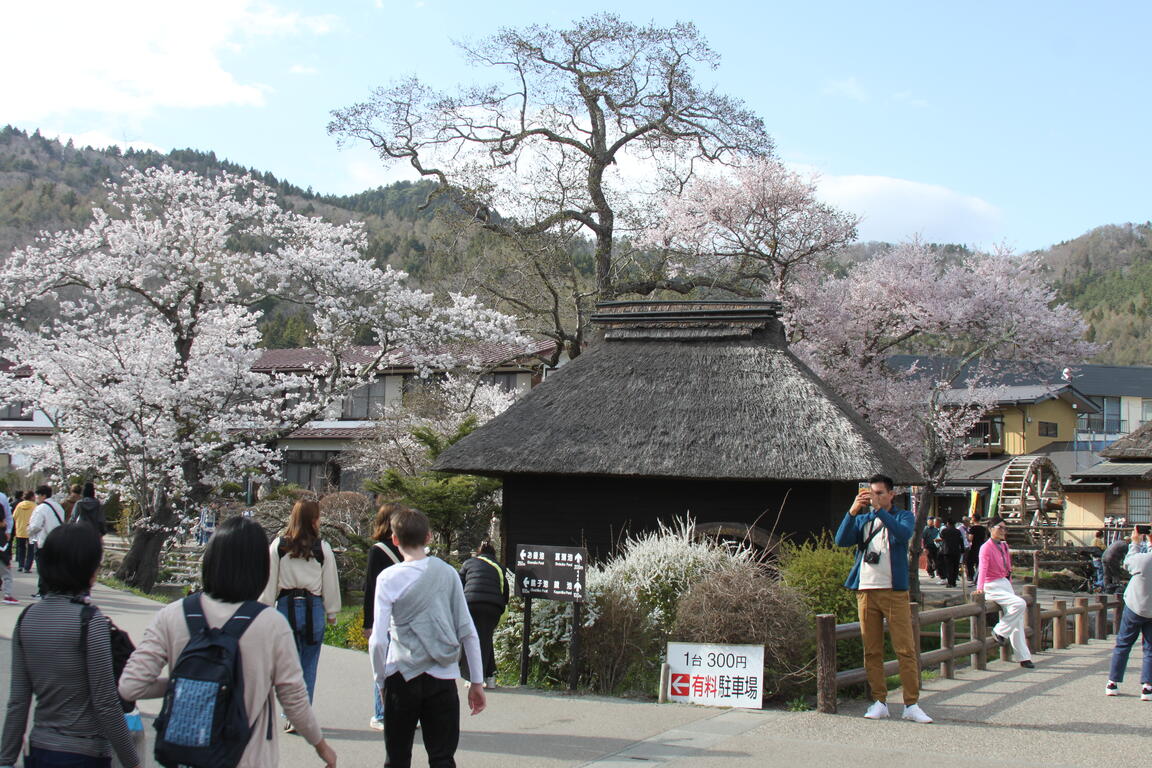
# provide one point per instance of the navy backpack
(203, 722)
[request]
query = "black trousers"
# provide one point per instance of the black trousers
(486, 616)
(430, 701)
(23, 553)
(950, 565)
(932, 557)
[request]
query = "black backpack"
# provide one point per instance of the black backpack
(317, 550)
(121, 642)
(89, 510)
(203, 722)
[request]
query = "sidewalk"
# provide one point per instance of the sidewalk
(1055, 715)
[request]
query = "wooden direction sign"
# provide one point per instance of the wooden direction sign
(551, 573)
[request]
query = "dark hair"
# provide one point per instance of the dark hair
(77, 489)
(950, 521)
(69, 559)
(410, 527)
(236, 561)
(382, 530)
(43, 490)
(486, 549)
(303, 529)
(1100, 533)
(89, 490)
(878, 478)
(28, 495)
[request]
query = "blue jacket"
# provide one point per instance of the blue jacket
(900, 524)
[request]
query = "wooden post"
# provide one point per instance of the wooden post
(574, 649)
(826, 663)
(1117, 612)
(1036, 644)
(665, 674)
(525, 640)
(948, 640)
(1036, 568)
(1082, 622)
(1102, 617)
(1060, 627)
(915, 608)
(979, 631)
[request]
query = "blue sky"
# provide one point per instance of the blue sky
(1020, 123)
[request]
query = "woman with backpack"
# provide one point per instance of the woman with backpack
(62, 655)
(266, 664)
(303, 585)
(382, 554)
(486, 592)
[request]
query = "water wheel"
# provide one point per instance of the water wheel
(1032, 499)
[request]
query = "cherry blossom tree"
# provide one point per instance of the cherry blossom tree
(969, 313)
(580, 124)
(754, 231)
(144, 362)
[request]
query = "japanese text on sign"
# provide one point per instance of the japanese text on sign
(716, 675)
(551, 573)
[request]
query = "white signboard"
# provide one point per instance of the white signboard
(716, 675)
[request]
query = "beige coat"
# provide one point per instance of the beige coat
(270, 661)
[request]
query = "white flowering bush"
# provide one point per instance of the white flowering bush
(629, 609)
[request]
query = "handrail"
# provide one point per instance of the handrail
(829, 679)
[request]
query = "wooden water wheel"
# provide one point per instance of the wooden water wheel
(1032, 499)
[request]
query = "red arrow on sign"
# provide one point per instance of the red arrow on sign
(681, 685)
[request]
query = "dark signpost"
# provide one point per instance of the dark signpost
(551, 573)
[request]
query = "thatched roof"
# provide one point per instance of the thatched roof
(702, 390)
(1136, 445)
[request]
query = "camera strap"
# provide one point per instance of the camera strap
(875, 530)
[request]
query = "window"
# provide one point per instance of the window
(987, 433)
(314, 470)
(1145, 410)
(364, 402)
(505, 380)
(1107, 421)
(16, 412)
(1139, 506)
(416, 385)
(1049, 429)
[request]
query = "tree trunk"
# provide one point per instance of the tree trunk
(927, 492)
(141, 565)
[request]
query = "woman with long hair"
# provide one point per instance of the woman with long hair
(303, 585)
(381, 554)
(234, 572)
(78, 719)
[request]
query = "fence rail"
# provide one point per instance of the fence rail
(829, 679)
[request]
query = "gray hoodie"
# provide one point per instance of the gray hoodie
(1138, 594)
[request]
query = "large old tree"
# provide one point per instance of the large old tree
(145, 361)
(580, 127)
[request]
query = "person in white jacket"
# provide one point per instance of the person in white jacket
(47, 517)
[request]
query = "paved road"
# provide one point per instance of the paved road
(1055, 715)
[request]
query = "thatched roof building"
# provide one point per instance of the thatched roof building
(1135, 445)
(684, 406)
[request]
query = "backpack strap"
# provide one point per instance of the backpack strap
(242, 618)
(194, 615)
(317, 550)
(499, 571)
(388, 551)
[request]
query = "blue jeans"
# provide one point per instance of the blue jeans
(309, 651)
(379, 709)
(50, 758)
(1132, 624)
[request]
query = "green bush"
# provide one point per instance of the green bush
(348, 631)
(817, 570)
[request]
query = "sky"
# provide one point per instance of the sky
(1018, 124)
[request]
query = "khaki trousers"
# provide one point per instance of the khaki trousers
(874, 606)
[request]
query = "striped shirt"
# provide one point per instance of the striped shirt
(77, 709)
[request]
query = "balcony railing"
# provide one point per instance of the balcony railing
(1099, 424)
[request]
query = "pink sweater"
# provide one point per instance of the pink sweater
(995, 563)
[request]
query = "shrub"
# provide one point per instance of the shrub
(817, 570)
(746, 605)
(348, 631)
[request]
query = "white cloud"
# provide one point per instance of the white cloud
(98, 140)
(130, 57)
(895, 209)
(850, 87)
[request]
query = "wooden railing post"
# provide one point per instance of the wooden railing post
(948, 640)
(826, 663)
(915, 608)
(979, 631)
(1117, 612)
(1036, 568)
(1036, 643)
(1082, 621)
(1101, 623)
(1060, 626)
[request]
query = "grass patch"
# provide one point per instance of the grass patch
(114, 583)
(348, 631)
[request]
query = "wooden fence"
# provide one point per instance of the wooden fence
(1040, 624)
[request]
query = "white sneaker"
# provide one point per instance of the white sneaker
(1111, 689)
(376, 724)
(915, 714)
(878, 711)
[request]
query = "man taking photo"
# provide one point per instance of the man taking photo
(880, 533)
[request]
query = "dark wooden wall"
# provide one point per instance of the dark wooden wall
(596, 511)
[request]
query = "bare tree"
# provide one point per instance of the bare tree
(583, 123)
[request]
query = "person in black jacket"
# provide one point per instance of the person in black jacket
(951, 543)
(381, 555)
(88, 510)
(486, 592)
(977, 535)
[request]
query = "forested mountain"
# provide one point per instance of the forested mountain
(46, 185)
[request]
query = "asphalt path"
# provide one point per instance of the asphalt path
(1055, 715)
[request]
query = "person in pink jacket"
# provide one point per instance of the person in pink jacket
(994, 581)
